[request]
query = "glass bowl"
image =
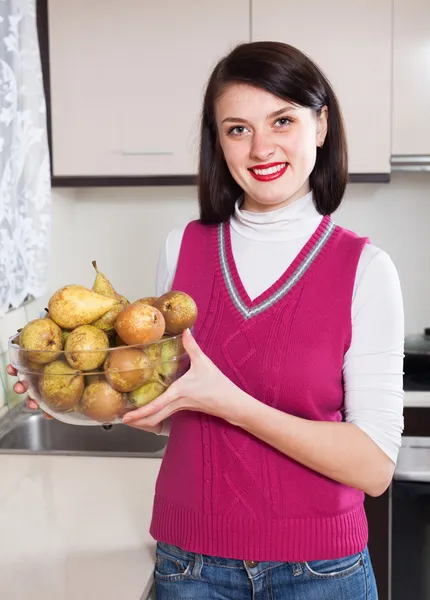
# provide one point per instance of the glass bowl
(127, 377)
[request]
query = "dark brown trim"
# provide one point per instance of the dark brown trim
(133, 180)
(42, 20)
(169, 180)
(369, 178)
(154, 180)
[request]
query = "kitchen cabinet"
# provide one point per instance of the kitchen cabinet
(127, 80)
(411, 78)
(351, 42)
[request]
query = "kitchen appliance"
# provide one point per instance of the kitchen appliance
(410, 521)
(417, 362)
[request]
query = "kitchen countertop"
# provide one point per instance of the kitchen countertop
(417, 399)
(73, 528)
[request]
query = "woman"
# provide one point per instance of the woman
(292, 408)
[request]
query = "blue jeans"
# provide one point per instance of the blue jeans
(181, 575)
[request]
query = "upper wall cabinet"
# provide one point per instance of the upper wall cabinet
(127, 80)
(351, 42)
(411, 77)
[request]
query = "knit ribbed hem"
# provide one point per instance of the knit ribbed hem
(289, 540)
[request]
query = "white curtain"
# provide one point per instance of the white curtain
(25, 193)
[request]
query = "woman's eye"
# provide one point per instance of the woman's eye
(284, 121)
(237, 130)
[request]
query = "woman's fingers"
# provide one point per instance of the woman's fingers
(11, 371)
(20, 387)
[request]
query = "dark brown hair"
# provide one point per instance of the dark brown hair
(289, 74)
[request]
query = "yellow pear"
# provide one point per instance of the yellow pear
(60, 386)
(86, 348)
(103, 286)
(75, 305)
(42, 340)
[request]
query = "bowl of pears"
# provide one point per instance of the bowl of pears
(94, 355)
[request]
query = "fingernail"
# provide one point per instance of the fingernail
(126, 419)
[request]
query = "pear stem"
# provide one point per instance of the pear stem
(94, 263)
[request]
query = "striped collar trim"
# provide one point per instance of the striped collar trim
(295, 277)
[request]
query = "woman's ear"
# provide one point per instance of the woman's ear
(322, 125)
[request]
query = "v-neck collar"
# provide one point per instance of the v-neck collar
(233, 284)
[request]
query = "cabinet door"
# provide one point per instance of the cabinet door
(127, 81)
(351, 42)
(411, 77)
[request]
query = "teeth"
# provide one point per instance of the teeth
(269, 171)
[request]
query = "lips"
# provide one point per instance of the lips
(268, 172)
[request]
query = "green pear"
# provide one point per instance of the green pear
(42, 340)
(86, 348)
(170, 352)
(65, 333)
(60, 386)
(75, 305)
(153, 352)
(146, 393)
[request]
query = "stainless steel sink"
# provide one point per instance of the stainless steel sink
(23, 432)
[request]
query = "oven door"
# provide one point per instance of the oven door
(410, 522)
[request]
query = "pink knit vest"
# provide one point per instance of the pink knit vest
(221, 491)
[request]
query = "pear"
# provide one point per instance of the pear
(42, 339)
(178, 309)
(103, 286)
(168, 365)
(33, 367)
(75, 305)
(86, 348)
(60, 386)
(148, 392)
(140, 324)
(65, 334)
(107, 321)
(148, 300)
(126, 369)
(153, 352)
(101, 402)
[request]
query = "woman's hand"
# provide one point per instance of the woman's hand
(203, 388)
(21, 387)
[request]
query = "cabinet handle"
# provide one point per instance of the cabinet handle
(145, 153)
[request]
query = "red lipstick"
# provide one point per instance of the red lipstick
(277, 170)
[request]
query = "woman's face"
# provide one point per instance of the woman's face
(269, 145)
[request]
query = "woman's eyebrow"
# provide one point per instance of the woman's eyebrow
(270, 116)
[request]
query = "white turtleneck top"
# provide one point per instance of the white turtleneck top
(264, 245)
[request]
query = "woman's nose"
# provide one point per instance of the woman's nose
(262, 147)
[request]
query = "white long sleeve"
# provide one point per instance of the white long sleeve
(264, 245)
